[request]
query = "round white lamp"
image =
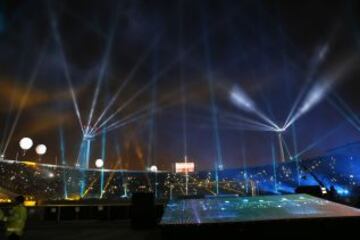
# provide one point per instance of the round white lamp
(153, 168)
(40, 149)
(99, 163)
(26, 143)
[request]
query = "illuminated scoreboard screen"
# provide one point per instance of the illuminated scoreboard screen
(247, 209)
(183, 167)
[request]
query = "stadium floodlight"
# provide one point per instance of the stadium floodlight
(280, 130)
(153, 168)
(40, 149)
(26, 143)
(99, 163)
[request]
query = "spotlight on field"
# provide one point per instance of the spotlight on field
(99, 163)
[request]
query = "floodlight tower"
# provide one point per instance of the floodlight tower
(281, 147)
(85, 149)
(84, 158)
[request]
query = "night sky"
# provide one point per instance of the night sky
(166, 52)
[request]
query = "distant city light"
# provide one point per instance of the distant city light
(26, 143)
(41, 149)
(99, 163)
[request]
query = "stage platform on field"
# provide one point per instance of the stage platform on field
(255, 215)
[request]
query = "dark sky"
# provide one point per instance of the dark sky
(265, 47)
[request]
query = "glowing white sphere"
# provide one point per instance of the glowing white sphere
(40, 149)
(153, 168)
(26, 143)
(99, 163)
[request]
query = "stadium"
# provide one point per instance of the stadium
(52, 183)
(179, 119)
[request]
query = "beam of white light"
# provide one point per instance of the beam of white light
(320, 89)
(129, 101)
(260, 126)
(243, 123)
(136, 116)
(24, 98)
(246, 126)
(66, 71)
(125, 82)
(318, 141)
(156, 78)
(144, 88)
(146, 108)
(239, 98)
(317, 60)
(242, 100)
(7, 123)
(121, 123)
(314, 96)
(347, 108)
(233, 121)
(102, 72)
(140, 91)
(281, 147)
(287, 148)
(133, 115)
(242, 119)
(162, 72)
(352, 119)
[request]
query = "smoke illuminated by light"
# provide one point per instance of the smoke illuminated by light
(241, 99)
